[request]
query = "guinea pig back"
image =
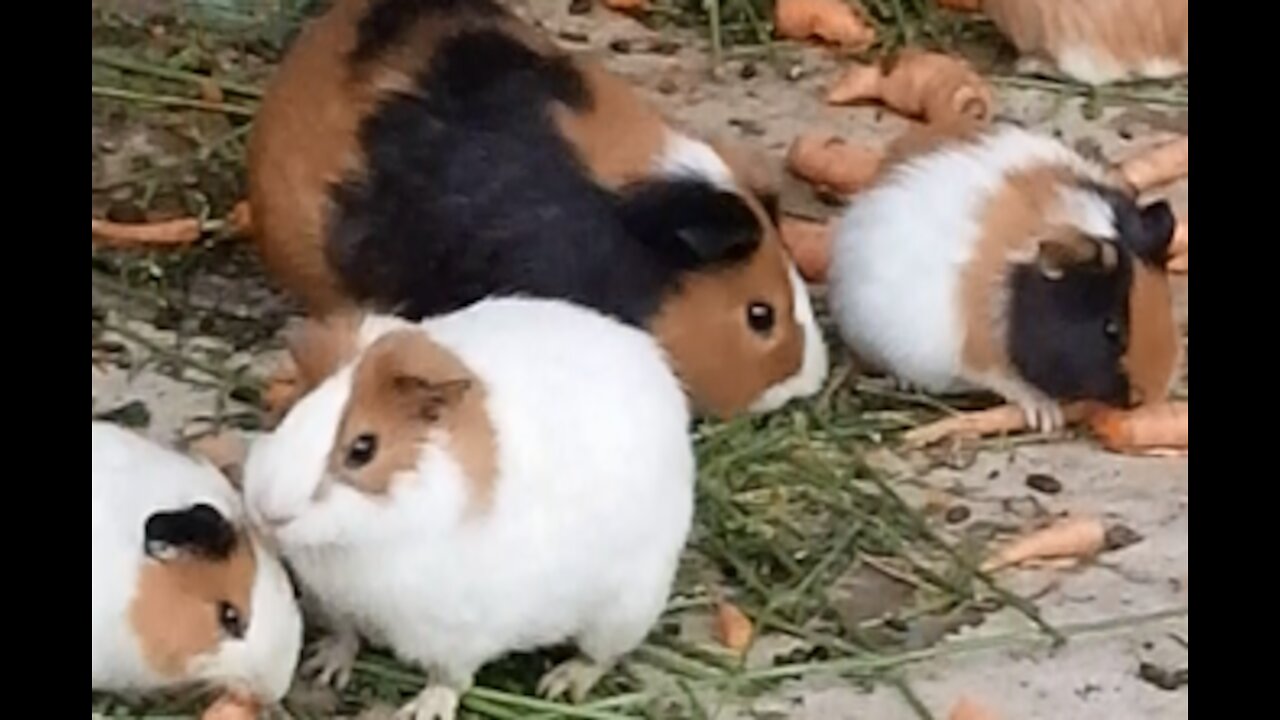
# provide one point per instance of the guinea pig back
(415, 157)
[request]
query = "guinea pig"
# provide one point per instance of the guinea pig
(513, 475)
(1097, 41)
(415, 156)
(183, 592)
(1002, 260)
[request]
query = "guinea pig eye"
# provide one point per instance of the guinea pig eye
(361, 451)
(760, 317)
(229, 620)
(1111, 329)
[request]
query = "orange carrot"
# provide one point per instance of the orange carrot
(627, 5)
(733, 628)
(919, 84)
(1076, 537)
(231, 707)
(1154, 427)
(1160, 165)
(992, 421)
(966, 708)
(810, 245)
(240, 219)
(961, 5)
(182, 231)
(832, 21)
(829, 161)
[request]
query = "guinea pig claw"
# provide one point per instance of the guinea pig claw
(435, 702)
(573, 677)
(332, 660)
(1043, 416)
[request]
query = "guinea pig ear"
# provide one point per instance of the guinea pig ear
(1157, 225)
(199, 530)
(690, 220)
(430, 398)
(1056, 255)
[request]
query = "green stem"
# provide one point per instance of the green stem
(171, 101)
(160, 71)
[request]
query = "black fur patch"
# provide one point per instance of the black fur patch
(386, 21)
(200, 530)
(1145, 231)
(471, 191)
(1058, 338)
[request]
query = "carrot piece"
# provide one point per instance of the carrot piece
(240, 219)
(1160, 165)
(1076, 537)
(919, 84)
(829, 161)
(966, 708)
(182, 231)
(231, 707)
(992, 421)
(810, 245)
(733, 629)
(961, 5)
(832, 21)
(627, 5)
(1154, 427)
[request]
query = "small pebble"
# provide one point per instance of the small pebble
(622, 46)
(1161, 677)
(1047, 484)
(667, 86)
(748, 71)
(957, 514)
(1121, 536)
(795, 72)
(579, 7)
(574, 36)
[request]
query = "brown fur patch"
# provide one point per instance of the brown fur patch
(405, 387)
(620, 136)
(722, 364)
(1152, 357)
(1131, 32)
(174, 611)
(1014, 220)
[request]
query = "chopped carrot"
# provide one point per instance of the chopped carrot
(809, 242)
(182, 231)
(240, 219)
(919, 84)
(966, 708)
(961, 5)
(627, 5)
(832, 21)
(1075, 537)
(733, 628)
(231, 707)
(1160, 165)
(829, 161)
(1154, 427)
(992, 421)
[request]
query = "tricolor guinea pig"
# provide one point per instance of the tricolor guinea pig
(1098, 41)
(414, 156)
(509, 476)
(183, 593)
(1005, 261)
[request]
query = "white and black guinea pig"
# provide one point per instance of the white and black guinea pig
(1098, 41)
(509, 476)
(415, 156)
(1005, 261)
(183, 594)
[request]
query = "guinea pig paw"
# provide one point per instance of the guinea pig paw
(435, 702)
(574, 677)
(332, 660)
(1043, 415)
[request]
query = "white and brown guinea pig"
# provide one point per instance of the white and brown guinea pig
(183, 593)
(1098, 41)
(1003, 260)
(509, 476)
(415, 156)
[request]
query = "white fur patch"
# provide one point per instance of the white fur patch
(683, 156)
(1087, 211)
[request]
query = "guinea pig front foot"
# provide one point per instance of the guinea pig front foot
(1043, 414)
(333, 658)
(573, 677)
(435, 702)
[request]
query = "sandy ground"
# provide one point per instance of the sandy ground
(1094, 676)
